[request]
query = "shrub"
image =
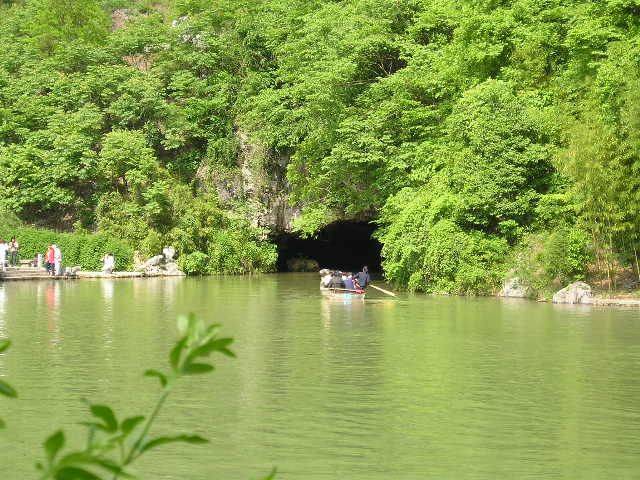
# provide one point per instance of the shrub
(454, 261)
(425, 250)
(207, 238)
(553, 259)
(152, 244)
(81, 249)
(193, 263)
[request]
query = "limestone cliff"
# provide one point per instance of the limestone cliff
(259, 180)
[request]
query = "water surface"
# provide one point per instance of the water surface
(419, 387)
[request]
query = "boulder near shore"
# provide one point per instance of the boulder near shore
(515, 288)
(577, 292)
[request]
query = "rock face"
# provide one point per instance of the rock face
(171, 268)
(169, 254)
(260, 179)
(302, 264)
(515, 288)
(119, 18)
(578, 292)
(152, 262)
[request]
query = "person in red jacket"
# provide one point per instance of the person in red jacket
(50, 260)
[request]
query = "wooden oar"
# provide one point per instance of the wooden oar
(382, 290)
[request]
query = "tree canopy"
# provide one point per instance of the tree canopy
(485, 138)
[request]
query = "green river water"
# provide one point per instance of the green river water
(413, 388)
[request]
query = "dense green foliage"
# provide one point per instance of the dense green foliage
(474, 132)
(83, 249)
(91, 138)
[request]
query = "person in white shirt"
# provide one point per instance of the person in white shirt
(57, 260)
(14, 247)
(4, 247)
(108, 263)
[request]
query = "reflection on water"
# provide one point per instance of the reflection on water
(418, 387)
(3, 300)
(107, 290)
(52, 301)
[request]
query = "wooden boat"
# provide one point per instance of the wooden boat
(342, 293)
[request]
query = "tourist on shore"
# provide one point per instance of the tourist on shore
(14, 247)
(50, 259)
(108, 263)
(4, 247)
(57, 260)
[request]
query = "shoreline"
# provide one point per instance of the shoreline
(42, 275)
(597, 300)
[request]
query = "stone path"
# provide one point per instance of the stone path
(31, 273)
(24, 273)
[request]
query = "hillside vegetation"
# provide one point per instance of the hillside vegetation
(486, 138)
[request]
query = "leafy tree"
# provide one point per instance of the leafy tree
(505, 121)
(57, 21)
(126, 162)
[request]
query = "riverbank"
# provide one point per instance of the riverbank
(20, 274)
(598, 298)
(574, 293)
(617, 299)
(617, 302)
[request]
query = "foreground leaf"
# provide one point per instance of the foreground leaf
(73, 460)
(156, 442)
(174, 356)
(272, 475)
(183, 324)
(196, 368)
(53, 444)
(130, 424)
(155, 373)
(75, 473)
(213, 345)
(7, 390)
(104, 413)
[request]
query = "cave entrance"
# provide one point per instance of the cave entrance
(343, 245)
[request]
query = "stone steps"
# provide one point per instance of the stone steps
(25, 270)
(24, 273)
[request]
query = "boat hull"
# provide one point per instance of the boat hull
(341, 294)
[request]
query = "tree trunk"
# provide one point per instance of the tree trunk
(635, 253)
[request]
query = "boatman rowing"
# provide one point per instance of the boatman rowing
(362, 279)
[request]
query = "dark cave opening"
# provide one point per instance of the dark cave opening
(346, 246)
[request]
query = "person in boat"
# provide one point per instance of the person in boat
(362, 278)
(325, 281)
(336, 280)
(348, 281)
